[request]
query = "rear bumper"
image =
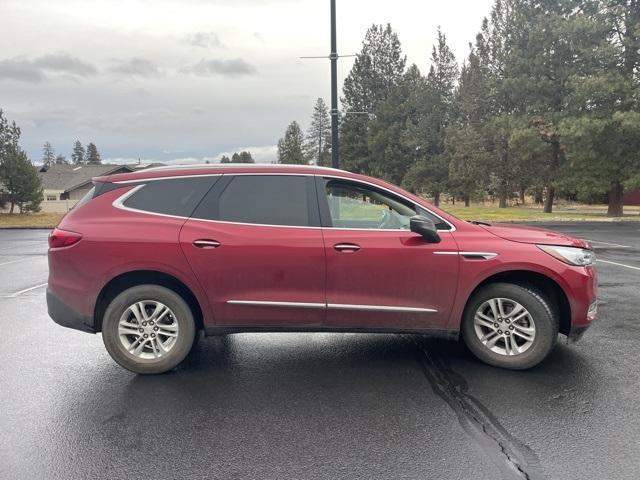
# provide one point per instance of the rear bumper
(64, 315)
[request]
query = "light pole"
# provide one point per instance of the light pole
(335, 159)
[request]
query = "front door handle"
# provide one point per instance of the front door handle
(206, 243)
(346, 247)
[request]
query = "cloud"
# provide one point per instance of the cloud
(65, 63)
(20, 70)
(35, 70)
(261, 154)
(234, 67)
(205, 40)
(136, 67)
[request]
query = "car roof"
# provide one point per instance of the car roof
(213, 169)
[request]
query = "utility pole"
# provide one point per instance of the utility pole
(335, 159)
(333, 57)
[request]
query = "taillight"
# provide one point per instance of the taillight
(63, 238)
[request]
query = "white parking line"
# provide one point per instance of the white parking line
(14, 295)
(607, 243)
(618, 264)
(15, 261)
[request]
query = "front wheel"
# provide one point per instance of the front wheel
(148, 329)
(509, 326)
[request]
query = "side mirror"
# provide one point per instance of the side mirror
(425, 227)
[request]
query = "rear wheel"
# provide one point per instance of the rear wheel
(509, 326)
(148, 329)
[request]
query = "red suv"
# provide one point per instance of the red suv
(153, 257)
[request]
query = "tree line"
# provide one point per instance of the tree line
(242, 157)
(79, 155)
(545, 104)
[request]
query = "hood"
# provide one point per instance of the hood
(526, 234)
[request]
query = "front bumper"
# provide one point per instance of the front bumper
(579, 330)
(64, 315)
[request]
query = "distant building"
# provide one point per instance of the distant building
(632, 198)
(64, 185)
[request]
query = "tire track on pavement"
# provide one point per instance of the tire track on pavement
(514, 459)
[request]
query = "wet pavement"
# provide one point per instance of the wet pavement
(311, 406)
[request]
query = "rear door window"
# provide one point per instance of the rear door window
(281, 200)
(176, 196)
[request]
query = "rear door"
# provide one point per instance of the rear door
(255, 245)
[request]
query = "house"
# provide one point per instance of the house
(64, 185)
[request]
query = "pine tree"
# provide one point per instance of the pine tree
(9, 137)
(391, 150)
(377, 69)
(245, 157)
(48, 155)
(18, 179)
(435, 114)
(290, 146)
(61, 160)
(78, 154)
(317, 147)
(603, 137)
(93, 157)
(225, 159)
(501, 35)
(21, 183)
(465, 146)
(466, 157)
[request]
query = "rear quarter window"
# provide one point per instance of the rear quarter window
(176, 196)
(86, 197)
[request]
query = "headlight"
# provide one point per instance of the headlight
(571, 255)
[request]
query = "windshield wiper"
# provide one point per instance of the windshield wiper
(477, 222)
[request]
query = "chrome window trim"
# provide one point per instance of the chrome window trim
(357, 180)
(332, 306)
(173, 177)
(118, 203)
(252, 224)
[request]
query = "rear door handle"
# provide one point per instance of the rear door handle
(206, 243)
(346, 247)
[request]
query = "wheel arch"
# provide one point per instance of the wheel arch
(538, 281)
(126, 280)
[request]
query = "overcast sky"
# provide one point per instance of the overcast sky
(189, 80)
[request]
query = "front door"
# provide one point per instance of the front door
(379, 274)
(255, 245)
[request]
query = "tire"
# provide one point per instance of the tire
(535, 348)
(174, 331)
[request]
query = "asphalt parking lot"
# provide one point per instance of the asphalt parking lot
(311, 406)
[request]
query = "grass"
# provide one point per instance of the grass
(533, 214)
(30, 220)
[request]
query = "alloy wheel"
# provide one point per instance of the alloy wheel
(504, 326)
(148, 329)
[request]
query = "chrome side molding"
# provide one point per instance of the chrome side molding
(379, 308)
(471, 255)
(333, 306)
(265, 303)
